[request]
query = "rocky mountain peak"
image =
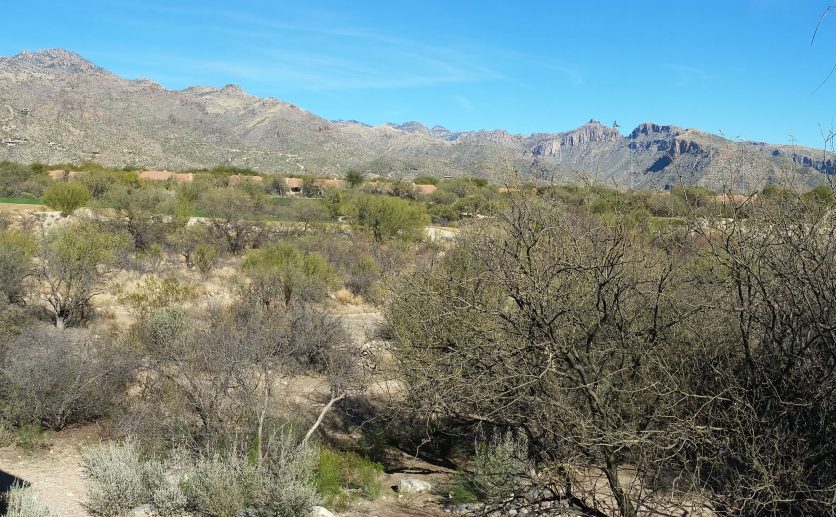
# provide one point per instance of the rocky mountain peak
(129, 122)
(419, 128)
(411, 127)
(233, 89)
(656, 130)
(53, 59)
(591, 133)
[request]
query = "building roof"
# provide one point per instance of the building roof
(155, 175)
(235, 179)
(425, 189)
(329, 183)
(183, 177)
(60, 174)
(734, 199)
(293, 182)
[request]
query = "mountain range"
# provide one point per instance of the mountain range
(57, 107)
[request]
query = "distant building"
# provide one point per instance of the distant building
(293, 185)
(734, 199)
(425, 190)
(330, 183)
(236, 179)
(183, 177)
(61, 175)
(156, 175)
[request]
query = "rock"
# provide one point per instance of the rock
(413, 486)
(142, 511)
(319, 511)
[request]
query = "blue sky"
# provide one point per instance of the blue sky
(745, 67)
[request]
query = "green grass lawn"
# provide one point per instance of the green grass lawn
(21, 200)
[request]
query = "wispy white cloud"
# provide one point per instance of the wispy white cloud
(463, 101)
(685, 76)
(317, 58)
(319, 51)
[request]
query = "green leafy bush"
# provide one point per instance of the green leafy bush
(498, 467)
(16, 251)
(387, 217)
(282, 272)
(226, 484)
(223, 486)
(66, 196)
(499, 464)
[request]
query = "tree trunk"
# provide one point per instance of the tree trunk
(625, 504)
(321, 416)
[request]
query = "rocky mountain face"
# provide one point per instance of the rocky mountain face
(57, 107)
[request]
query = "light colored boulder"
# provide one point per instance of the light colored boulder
(319, 511)
(413, 486)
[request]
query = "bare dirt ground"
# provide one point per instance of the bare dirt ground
(54, 470)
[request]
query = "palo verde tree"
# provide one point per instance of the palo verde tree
(70, 265)
(233, 214)
(354, 178)
(385, 217)
(16, 252)
(281, 273)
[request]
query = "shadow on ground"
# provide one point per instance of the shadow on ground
(7, 481)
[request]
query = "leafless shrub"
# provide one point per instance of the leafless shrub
(669, 366)
(54, 378)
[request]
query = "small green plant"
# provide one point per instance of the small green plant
(155, 293)
(22, 503)
(204, 257)
(343, 476)
(30, 437)
(499, 464)
(7, 434)
(461, 490)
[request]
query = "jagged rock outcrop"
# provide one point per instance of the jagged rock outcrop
(650, 129)
(57, 107)
(591, 133)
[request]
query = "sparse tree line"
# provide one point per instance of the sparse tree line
(450, 202)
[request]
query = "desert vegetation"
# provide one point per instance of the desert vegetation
(575, 348)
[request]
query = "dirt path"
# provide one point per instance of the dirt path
(53, 471)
